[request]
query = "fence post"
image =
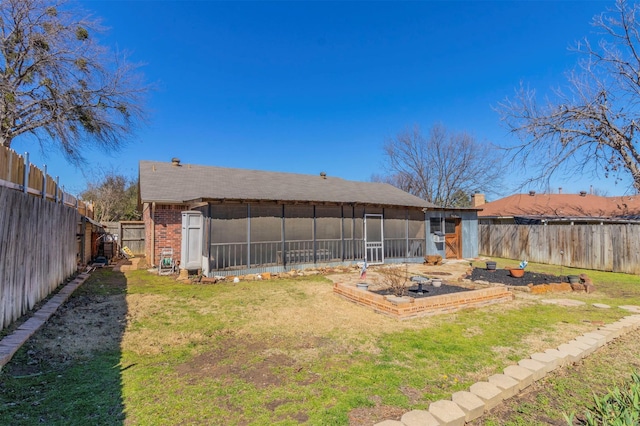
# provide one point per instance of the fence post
(44, 182)
(25, 187)
(56, 192)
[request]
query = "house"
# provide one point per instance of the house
(555, 209)
(226, 221)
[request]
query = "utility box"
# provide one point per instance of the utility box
(191, 240)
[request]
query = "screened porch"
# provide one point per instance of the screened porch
(260, 237)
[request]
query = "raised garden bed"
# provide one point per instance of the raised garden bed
(407, 307)
(502, 276)
(531, 281)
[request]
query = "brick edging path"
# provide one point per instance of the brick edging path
(466, 406)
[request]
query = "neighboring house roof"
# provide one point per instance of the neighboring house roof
(169, 183)
(563, 206)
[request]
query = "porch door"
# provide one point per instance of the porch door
(373, 239)
(453, 238)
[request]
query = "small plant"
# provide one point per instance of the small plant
(619, 407)
(395, 279)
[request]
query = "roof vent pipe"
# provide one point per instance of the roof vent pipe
(532, 193)
(175, 161)
(323, 175)
(560, 190)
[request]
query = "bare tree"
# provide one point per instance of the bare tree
(590, 127)
(443, 168)
(114, 196)
(58, 84)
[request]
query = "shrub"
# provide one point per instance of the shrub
(395, 279)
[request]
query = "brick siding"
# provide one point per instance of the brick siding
(168, 230)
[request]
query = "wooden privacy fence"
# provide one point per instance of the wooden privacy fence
(16, 172)
(601, 247)
(130, 234)
(38, 249)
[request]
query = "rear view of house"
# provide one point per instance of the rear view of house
(230, 221)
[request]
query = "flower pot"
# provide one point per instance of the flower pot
(574, 279)
(491, 266)
(362, 286)
(516, 272)
(436, 283)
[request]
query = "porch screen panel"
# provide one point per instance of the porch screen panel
(298, 233)
(228, 236)
(266, 233)
(395, 233)
(347, 224)
(416, 233)
(358, 232)
(328, 233)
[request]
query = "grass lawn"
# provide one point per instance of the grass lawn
(141, 349)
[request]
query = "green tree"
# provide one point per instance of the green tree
(114, 198)
(58, 84)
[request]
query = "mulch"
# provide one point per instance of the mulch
(502, 276)
(427, 290)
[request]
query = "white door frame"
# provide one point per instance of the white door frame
(374, 250)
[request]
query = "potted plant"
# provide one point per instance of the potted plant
(516, 272)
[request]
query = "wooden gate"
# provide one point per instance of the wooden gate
(130, 234)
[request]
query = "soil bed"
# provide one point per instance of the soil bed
(502, 276)
(427, 291)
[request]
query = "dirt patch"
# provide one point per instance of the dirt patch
(84, 325)
(251, 360)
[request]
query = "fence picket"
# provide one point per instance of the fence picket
(37, 250)
(601, 247)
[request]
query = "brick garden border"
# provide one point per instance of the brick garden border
(408, 307)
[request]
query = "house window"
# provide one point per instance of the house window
(435, 225)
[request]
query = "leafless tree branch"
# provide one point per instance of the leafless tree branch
(591, 126)
(443, 168)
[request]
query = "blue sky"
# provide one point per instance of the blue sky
(306, 87)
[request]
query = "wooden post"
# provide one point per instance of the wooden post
(25, 187)
(44, 182)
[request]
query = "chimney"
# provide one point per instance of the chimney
(583, 193)
(175, 161)
(323, 175)
(532, 193)
(477, 199)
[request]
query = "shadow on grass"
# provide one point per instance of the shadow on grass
(69, 371)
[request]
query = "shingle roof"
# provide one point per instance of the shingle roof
(165, 182)
(563, 205)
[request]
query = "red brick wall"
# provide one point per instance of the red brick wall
(168, 230)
